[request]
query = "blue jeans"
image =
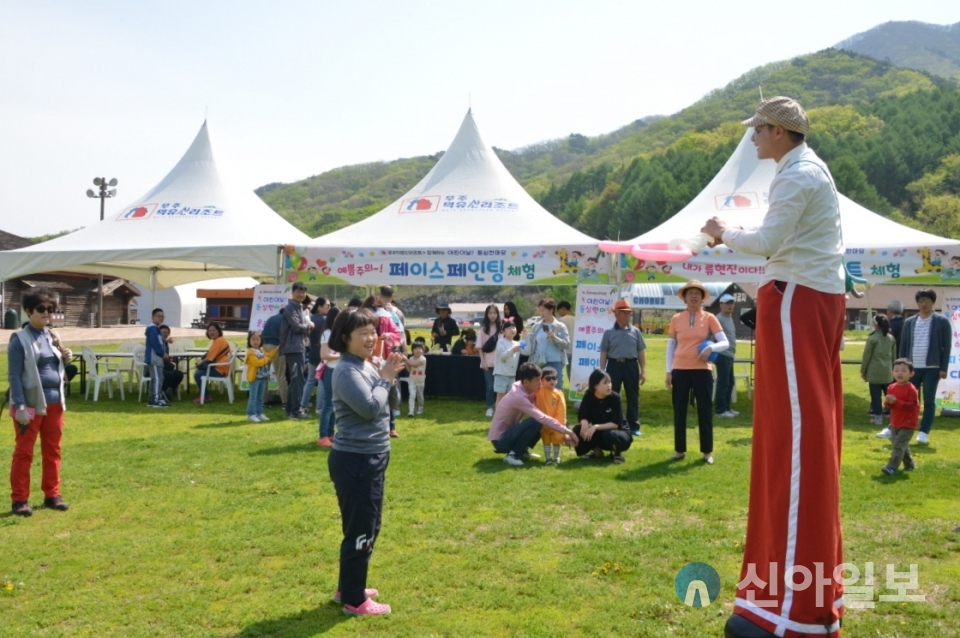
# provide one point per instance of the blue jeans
(491, 394)
(326, 410)
(310, 385)
(558, 366)
(877, 392)
(255, 400)
(724, 370)
(199, 374)
(519, 438)
(926, 381)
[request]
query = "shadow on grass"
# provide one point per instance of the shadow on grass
(307, 622)
(744, 442)
(495, 465)
(222, 424)
(294, 448)
(471, 432)
(880, 477)
(667, 467)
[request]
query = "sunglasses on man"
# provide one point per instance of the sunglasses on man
(45, 309)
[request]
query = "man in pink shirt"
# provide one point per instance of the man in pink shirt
(510, 432)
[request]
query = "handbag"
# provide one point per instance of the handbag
(490, 345)
(203, 365)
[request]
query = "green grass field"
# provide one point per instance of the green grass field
(193, 522)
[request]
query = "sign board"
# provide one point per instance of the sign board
(594, 316)
(268, 300)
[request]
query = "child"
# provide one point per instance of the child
(550, 401)
(154, 358)
(172, 376)
(904, 407)
(258, 375)
(417, 365)
(508, 356)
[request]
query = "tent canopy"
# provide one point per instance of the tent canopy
(189, 227)
(467, 222)
(877, 248)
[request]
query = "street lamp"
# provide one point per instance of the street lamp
(103, 195)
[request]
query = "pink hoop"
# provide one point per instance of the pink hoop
(659, 252)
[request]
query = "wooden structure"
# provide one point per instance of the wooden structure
(230, 308)
(77, 297)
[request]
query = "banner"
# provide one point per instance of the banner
(268, 300)
(948, 390)
(488, 266)
(594, 316)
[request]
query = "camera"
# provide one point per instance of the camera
(546, 328)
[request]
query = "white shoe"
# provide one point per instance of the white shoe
(489, 411)
(734, 412)
(885, 433)
(253, 418)
(420, 411)
(510, 459)
(728, 414)
(396, 413)
(263, 417)
(922, 438)
(410, 413)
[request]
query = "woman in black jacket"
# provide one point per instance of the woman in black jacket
(601, 424)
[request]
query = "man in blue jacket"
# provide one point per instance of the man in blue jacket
(155, 356)
(926, 340)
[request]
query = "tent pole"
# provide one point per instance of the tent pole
(279, 264)
(153, 289)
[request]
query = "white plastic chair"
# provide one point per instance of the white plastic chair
(227, 369)
(140, 364)
(127, 366)
(94, 376)
(186, 344)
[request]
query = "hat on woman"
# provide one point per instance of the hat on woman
(441, 305)
(693, 283)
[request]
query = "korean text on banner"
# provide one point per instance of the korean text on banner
(268, 300)
(948, 390)
(594, 317)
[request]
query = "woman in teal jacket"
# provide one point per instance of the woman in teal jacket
(877, 365)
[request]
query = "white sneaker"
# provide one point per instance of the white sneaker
(734, 412)
(922, 438)
(729, 414)
(489, 411)
(420, 411)
(253, 418)
(885, 433)
(263, 417)
(510, 459)
(410, 413)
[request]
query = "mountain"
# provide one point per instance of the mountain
(569, 175)
(926, 47)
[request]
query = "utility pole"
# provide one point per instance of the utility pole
(103, 195)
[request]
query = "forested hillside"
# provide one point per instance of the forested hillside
(887, 132)
(933, 48)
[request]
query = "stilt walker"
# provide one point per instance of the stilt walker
(789, 582)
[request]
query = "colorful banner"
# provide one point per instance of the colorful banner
(593, 318)
(948, 390)
(938, 265)
(495, 266)
(268, 300)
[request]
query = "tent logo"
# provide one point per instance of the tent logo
(697, 584)
(142, 211)
(427, 204)
(734, 201)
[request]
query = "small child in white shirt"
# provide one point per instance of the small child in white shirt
(508, 356)
(417, 365)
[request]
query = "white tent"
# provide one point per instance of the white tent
(189, 227)
(467, 222)
(877, 248)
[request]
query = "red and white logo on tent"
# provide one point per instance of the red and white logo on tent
(143, 211)
(425, 204)
(737, 201)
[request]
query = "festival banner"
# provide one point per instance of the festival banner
(479, 266)
(936, 265)
(594, 316)
(268, 300)
(948, 390)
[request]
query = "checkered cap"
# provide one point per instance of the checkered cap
(781, 111)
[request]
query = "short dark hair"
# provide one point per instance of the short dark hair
(549, 304)
(214, 325)
(250, 336)
(564, 305)
(299, 286)
(386, 291)
(346, 322)
(354, 303)
(418, 345)
(929, 293)
(507, 324)
(904, 362)
(469, 334)
(320, 303)
(33, 299)
(596, 377)
(795, 137)
(155, 311)
(162, 326)
(529, 371)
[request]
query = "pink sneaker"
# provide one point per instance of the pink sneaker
(369, 593)
(368, 608)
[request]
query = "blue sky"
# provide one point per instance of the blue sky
(295, 88)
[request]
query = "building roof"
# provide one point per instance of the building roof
(9, 241)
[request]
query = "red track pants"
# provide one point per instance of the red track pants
(50, 429)
(787, 582)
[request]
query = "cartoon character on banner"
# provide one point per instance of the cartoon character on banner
(569, 262)
(951, 272)
(928, 262)
(589, 274)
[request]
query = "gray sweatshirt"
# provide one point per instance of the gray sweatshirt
(294, 328)
(361, 406)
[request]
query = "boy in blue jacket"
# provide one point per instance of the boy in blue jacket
(155, 357)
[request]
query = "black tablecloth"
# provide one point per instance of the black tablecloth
(455, 376)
